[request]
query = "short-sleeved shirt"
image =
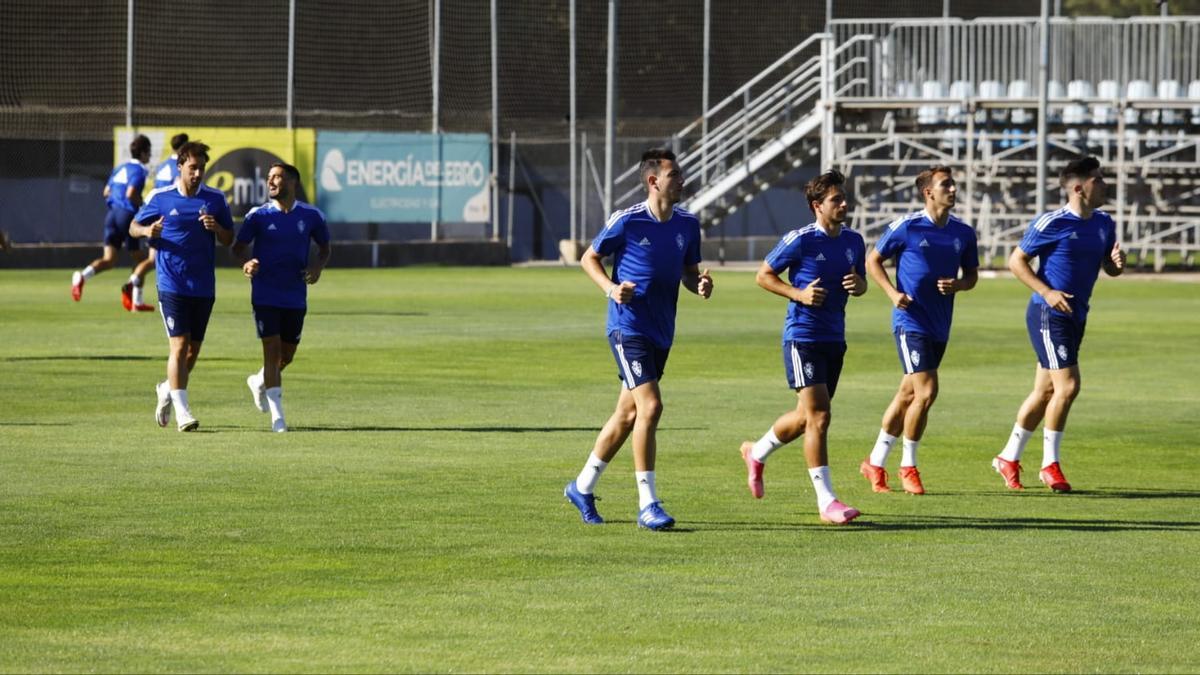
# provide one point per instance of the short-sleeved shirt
(131, 174)
(809, 253)
(652, 255)
(927, 253)
(1070, 251)
(167, 172)
(186, 262)
(281, 245)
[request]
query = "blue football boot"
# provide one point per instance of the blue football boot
(585, 503)
(654, 518)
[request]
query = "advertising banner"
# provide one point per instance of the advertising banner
(404, 178)
(238, 158)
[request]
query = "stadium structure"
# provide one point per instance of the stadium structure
(753, 102)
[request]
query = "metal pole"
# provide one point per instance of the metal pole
(574, 154)
(291, 82)
(610, 107)
(1043, 94)
(1163, 32)
(495, 127)
(583, 196)
(704, 93)
(437, 144)
(129, 65)
(828, 14)
(827, 70)
(1057, 7)
(512, 183)
(945, 9)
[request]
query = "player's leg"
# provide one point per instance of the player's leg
(135, 287)
(925, 390)
(272, 382)
(107, 259)
(134, 246)
(890, 428)
(815, 401)
(1066, 383)
(180, 361)
(786, 428)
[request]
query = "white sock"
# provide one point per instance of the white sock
(1016, 444)
(910, 453)
(820, 481)
(590, 475)
(88, 272)
(134, 280)
(275, 402)
(179, 399)
(646, 493)
(257, 378)
(883, 445)
(766, 445)
(1050, 443)
(137, 294)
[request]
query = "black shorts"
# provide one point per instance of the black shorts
(286, 322)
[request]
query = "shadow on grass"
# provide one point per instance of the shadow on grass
(101, 357)
(869, 523)
(364, 313)
(472, 430)
(33, 424)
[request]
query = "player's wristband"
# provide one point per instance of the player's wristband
(609, 292)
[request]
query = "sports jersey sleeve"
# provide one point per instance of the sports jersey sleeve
(320, 232)
(1111, 231)
(611, 238)
(860, 255)
(1035, 242)
(249, 229)
(692, 255)
(970, 252)
(786, 253)
(138, 183)
(223, 216)
(892, 241)
(149, 211)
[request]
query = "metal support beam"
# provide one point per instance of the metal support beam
(610, 107)
(495, 205)
(574, 148)
(1043, 108)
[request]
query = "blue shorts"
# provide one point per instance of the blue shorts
(918, 352)
(116, 229)
(285, 322)
(638, 359)
(811, 363)
(185, 314)
(1055, 338)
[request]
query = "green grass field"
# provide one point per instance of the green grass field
(414, 519)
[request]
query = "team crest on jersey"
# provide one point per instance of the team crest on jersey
(915, 356)
(1103, 237)
(636, 366)
(1062, 352)
(850, 256)
(300, 226)
(809, 370)
(957, 245)
(679, 241)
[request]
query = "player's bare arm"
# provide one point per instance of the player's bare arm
(241, 253)
(698, 282)
(135, 197)
(812, 295)
(1114, 264)
(622, 292)
(1018, 264)
(313, 274)
(225, 236)
(142, 230)
(966, 282)
(877, 272)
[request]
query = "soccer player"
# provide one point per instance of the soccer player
(281, 230)
(184, 222)
(123, 194)
(655, 247)
(930, 248)
(824, 263)
(165, 175)
(1072, 245)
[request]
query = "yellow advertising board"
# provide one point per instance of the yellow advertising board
(238, 158)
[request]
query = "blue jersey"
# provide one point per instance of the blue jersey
(186, 262)
(927, 253)
(808, 253)
(1070, 251)
(167, 172)
(281, 244)
(131, 174)
(651, 255)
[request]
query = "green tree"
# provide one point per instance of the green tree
(1127, 7)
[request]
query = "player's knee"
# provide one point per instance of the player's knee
(817, 420)
(650, 410)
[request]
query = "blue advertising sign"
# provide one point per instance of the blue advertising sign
(403, 178)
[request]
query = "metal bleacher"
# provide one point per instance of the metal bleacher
(883, 99)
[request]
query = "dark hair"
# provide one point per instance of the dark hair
(192, 149)
(651, 159)
(925, 178)
(139, 146)
(1080, 168)
(288, 170)
(816, 189)
(178, 140)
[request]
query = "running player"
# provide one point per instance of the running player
(184, 222)
(281, 231)
(930, 248)
(655, 247)
(1072, 245)
(123, 194)
(824, 263)
(165, 175)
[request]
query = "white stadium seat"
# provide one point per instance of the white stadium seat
(1193, 94)
(931, 114)
(1170, 90)
(1020, 89)
(1106, 113)
(1137, 90)
(992, 90)
(961, 90)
